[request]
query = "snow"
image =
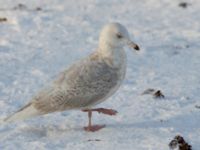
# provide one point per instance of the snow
(36, 45)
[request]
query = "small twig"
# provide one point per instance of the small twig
(96, 140)
(148, 91)
(21, 7)
(184, 4)
(155, 93)
(3, 19)
(197, 106)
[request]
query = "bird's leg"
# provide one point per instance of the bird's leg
(90, 118)
(105, 111)
(90, 127)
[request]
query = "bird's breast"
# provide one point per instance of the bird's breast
(114, 74)
(120, 61)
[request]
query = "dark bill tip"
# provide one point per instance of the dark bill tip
(136, 47)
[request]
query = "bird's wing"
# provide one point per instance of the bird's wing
(83, 84)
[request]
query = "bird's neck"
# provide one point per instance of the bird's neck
(114, 56)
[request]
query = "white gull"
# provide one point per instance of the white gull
(86, 83)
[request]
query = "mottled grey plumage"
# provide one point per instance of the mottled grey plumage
(87, 82)
(84, 84)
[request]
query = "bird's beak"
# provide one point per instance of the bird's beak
(133, 45)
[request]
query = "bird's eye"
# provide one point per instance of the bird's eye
(119, 36)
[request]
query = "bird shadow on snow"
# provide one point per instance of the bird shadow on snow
(184, 123)
(34, 132)
(48, 131)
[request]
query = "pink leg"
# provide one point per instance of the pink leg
(105, 111)
(94, 128)
(90, 127)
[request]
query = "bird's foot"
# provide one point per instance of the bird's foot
(106, 111)
(94, 128)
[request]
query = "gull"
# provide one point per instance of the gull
(87, 82)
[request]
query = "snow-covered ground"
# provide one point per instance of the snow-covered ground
(35, 45)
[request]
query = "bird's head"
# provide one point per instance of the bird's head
(116, 35)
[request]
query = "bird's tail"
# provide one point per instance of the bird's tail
(28, 111)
